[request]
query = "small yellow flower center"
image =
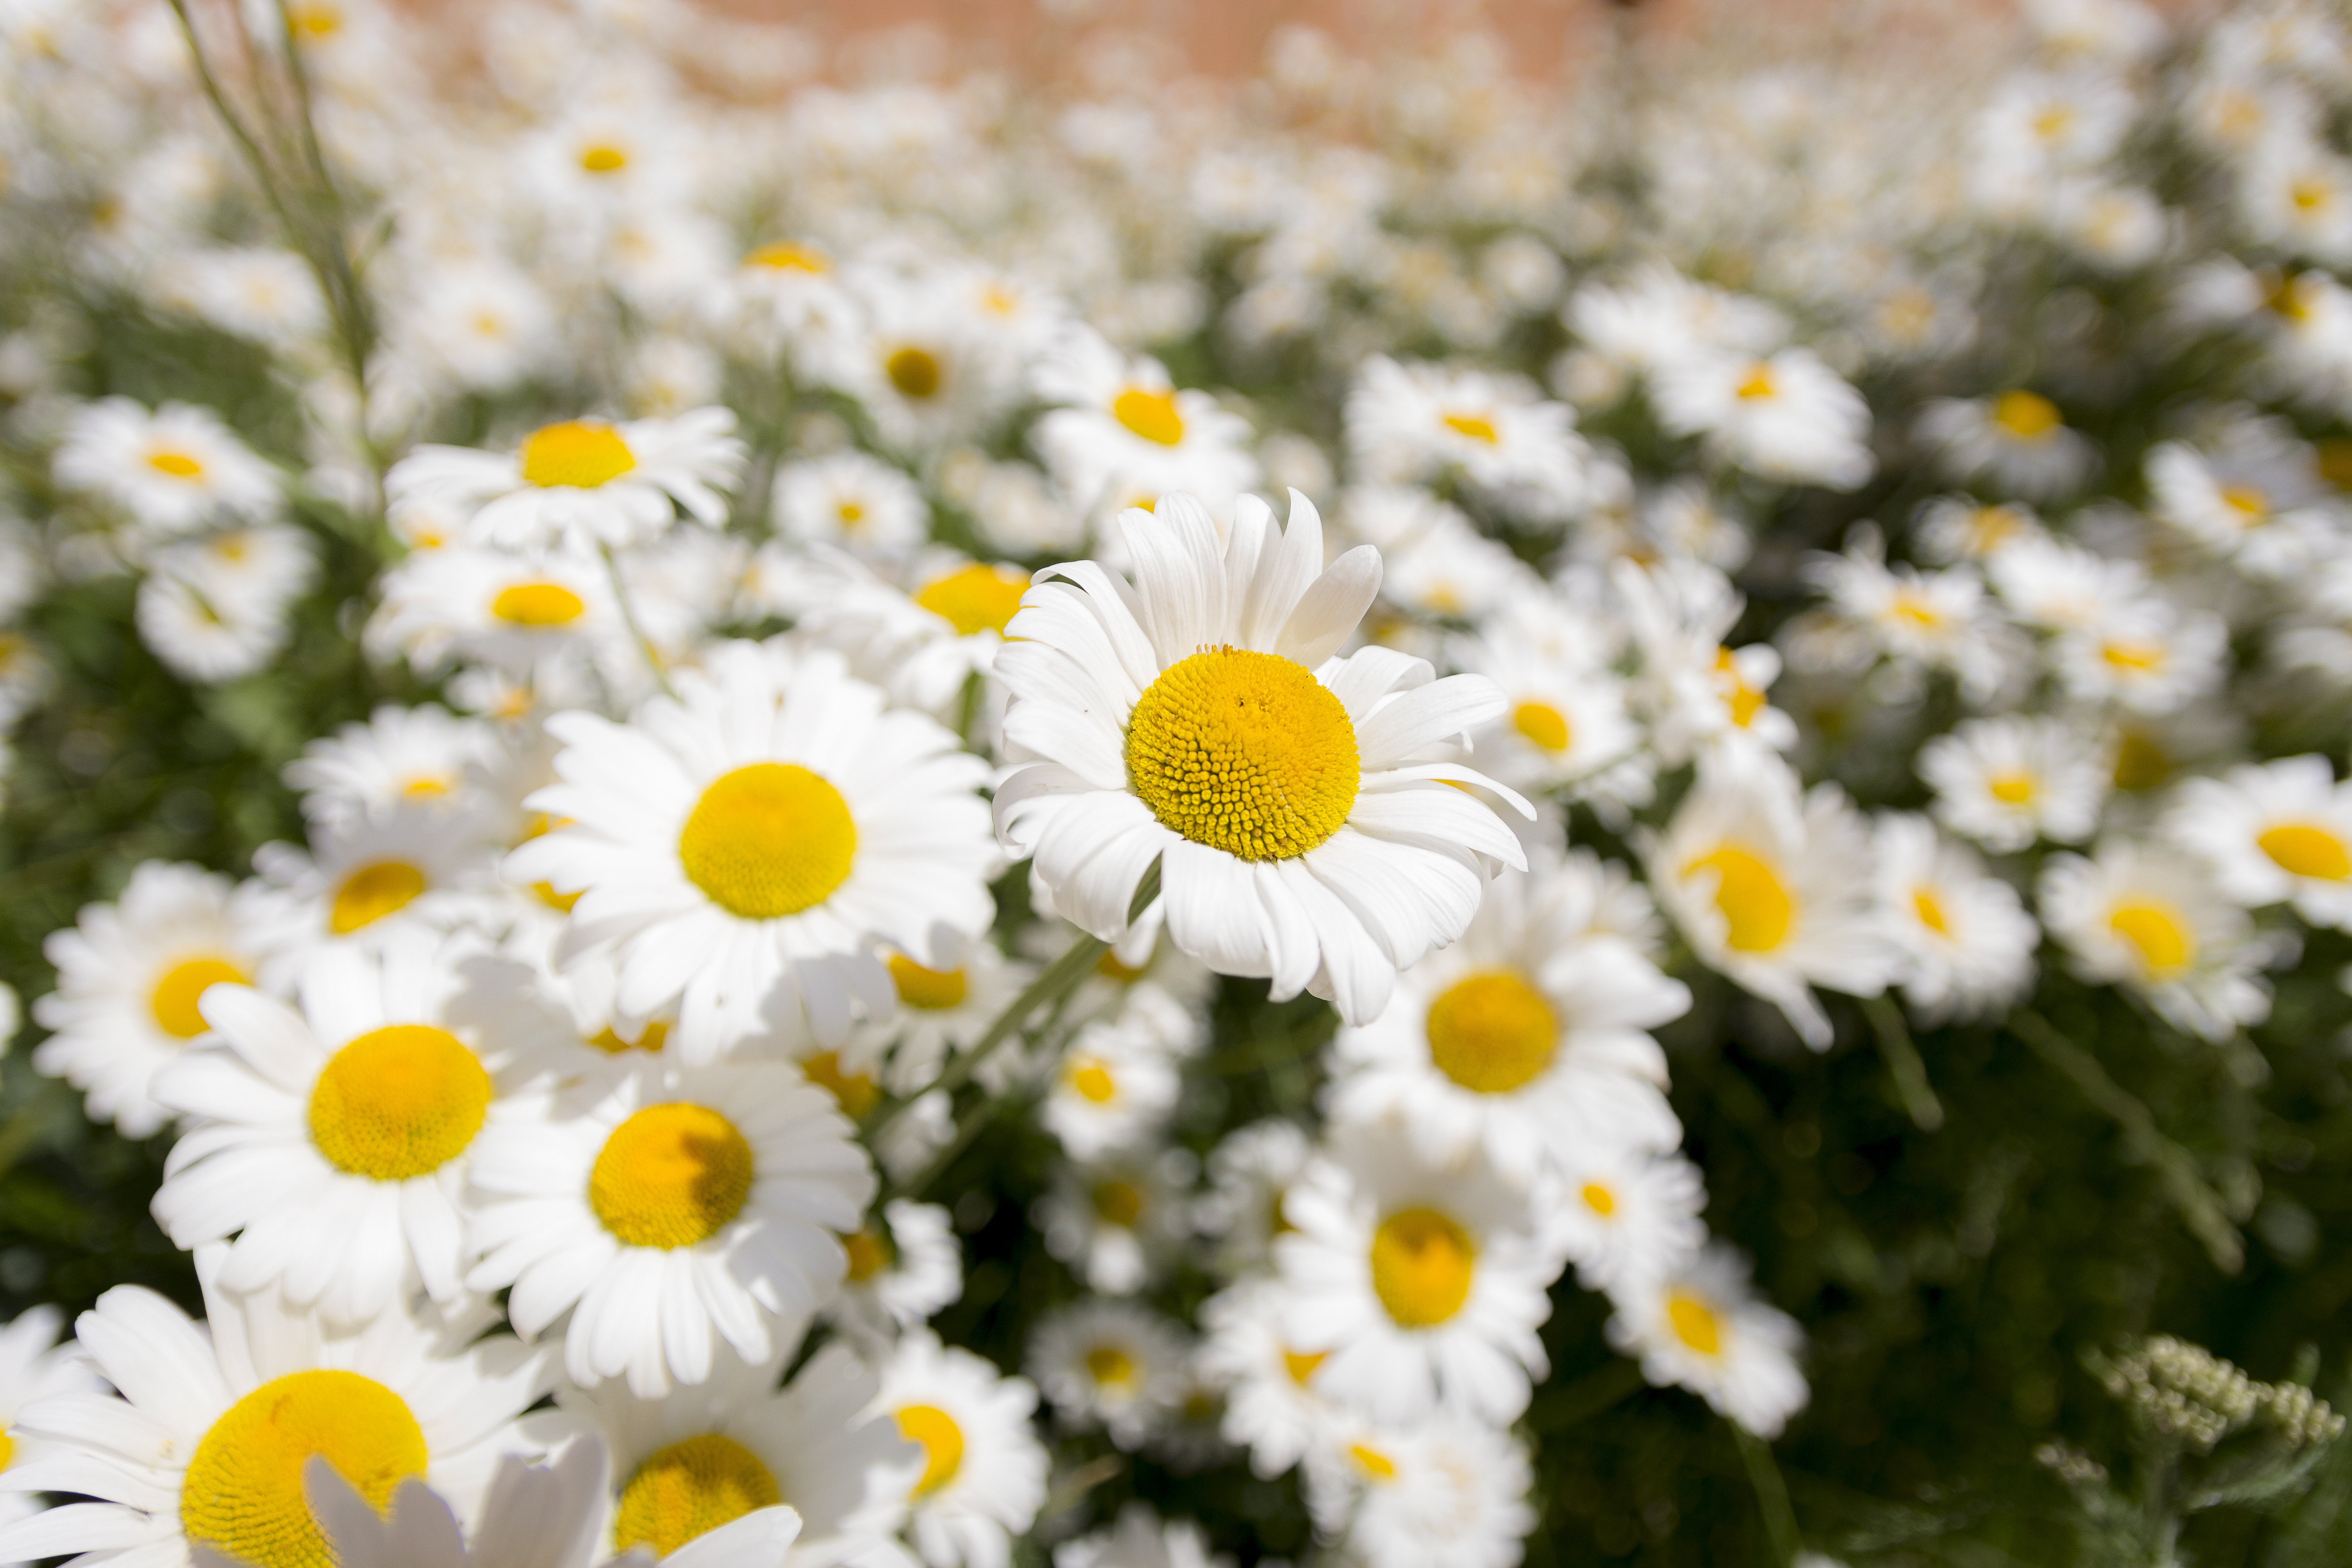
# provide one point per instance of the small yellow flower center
(671, 1175)
(1150, 414)
(372, 893)
(243, 1491)
(7, 1450)
(688, 1489)
(850, 514)
(1694, 1323)
(2249, 503)
(871, 1253)
(928, 990)
(768, 840)
(608, 1040)
(2138, 658)
(1492, 1033)
(399, 1102)
(2307, 849)
(1757, 910)
(2011, 789)
(1110, 968)
(1597, 1198)
(2155, 930)
(1118, 1203)
(1109, 1365)
(575, 454)
(855, 1092)
(1372, 1462)
(976, 599)
(536, 604)
(1744, 701)
(1543, 724)
(1760, 384)
(1245, 752)
(783, 256)
(1930, 910)
(179, 465)
(1091, 1080)
(2052, 122)
(942, 1442)
(1476, 426)
(1301, 1364)
(1916, 610)
(914, 372)
(1422, 1267)
(2028, 415)
(172, 1003)
(603, 159)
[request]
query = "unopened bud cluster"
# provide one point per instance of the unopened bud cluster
(2182, 1392)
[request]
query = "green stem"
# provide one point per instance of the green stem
(1772, 1495)
(1903, 1063)
(629, 619)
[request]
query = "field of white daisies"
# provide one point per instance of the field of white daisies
(775, 807)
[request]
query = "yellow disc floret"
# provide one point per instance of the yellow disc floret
(978, 598)
(172, 1003)
(536, 604)
(1543, 724)
(1245, 752)
(399, 1102)
(690, 1488)
(1150, 414)
(372, 893)
(671, 1175)
(855, 1092)
(242, 1493)
(1492, 1033)
(2028, 415)
(914, 372)
(575, 454)
(1111, 1366)
(768, 840)
(1756, 909)
(1422, 1267)
(928, 990)
(179, 465)
(2156, 933)
(2305, 849)
(869, 1251)
(942, 1442)
(1695, 1322)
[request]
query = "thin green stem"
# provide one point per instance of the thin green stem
(1772, 1495)
(1903, 1062)
(629, 619)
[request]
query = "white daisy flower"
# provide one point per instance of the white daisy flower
(1448, 1491)
(2060, 587)
(1141, 1540)
(1425, 1284)
(1774, 890)
(2019, 440)
(169, 471)
(940, 1012)
(2150, 918)
(1271, 1406)
(478, 323)
(1699, 696)
(1126, 435)
(1959, 527)
(2008, 781)
(1323, 851)
(582, 481)
(1521, 1040)
(1627, 1214)
(2274, 833)
(2257, 500)
(215, 609)
(1112, 1365)
(696, 1461)
(1702, 1327)
(545, 616)
(1115, 1221)
(207, 1442)
(662, 1206)
(914, 357)
(1966, 937)
(366, 878)
(1409, 423)
(855, 502)
(904, 1265)
(1250, 1169)
(1452, 571)
(33, 1366)
(745, 845)
(984, 1472)
(1566, 725)
(2144, 655)
(130, 974)
(332, 1141)
(1659, 318)
(1938, 619)
(422, 754)
(1113, 1089)
(1788, 417)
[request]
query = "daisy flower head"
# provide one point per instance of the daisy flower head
(855, 502)
(1124, 433)
(479, 324)
(1953, 529)
(911, 356)
(169, 470)
(1115, 1221)
(1409, 423)
(2257, 499)
(664, 1207)
(1297, 803)
(2150, 918)
(1774, 890)
(423, 755)
(1787, 418)
(1626, 1213)
(1112, 1365)
(904, 1265)
(1941, 620)
(205, 1443)
(333, 1139)
(1702, 1327)
(367, 877)
(2019, 441)
(216, 608)
(1249, 1171)
(1112, 1089)
(747, 845)
(2006, 782)
(130, 976)
(1449, 1490)
(544, 617)
(1272, 1408)
(1968, 942)
(2274, 833)
(2144, 655)
(1699, 696)
(2059, 586)
(33, 1366)
(940, 1012)
(1141, 1540)
(583, 482)
(1425, 1284)
(984, 1472)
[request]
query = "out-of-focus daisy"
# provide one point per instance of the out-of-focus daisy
(1408, 423)
(130, 976)
(2150, 918)
(1704, 1327)
(1968, 941)
(1116, 1220)
(904, 1265)
(584, 481)
(1111, 1089)
(1112, 1365)
(422, 754)
(1451, 1491)
(1788, 417)
(2257, 499)
(1774, 890)
(367, 877)
(2019, 440)
(2059, 586)
(746, 844)
(665, 1209)
(1249, 1171)
(169, 470)
(2274, 833)
(1271, 1406)
(479, 321)
(984, 1472)
(1698, 695)
(855, 502)
(2008, 781)
(940, 1011)
(1939, 619)
(1126, 435)
(1955, 527)
(2144, 655)
(33, 1366)
(216, 608)
(536, 615)
(1193, 719)
(1626, 1213)
(1141, 1540)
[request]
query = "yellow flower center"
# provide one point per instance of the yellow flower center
(1915, 610)
(942, 1442)
(850, 514)
(179, 465)
(1492, 1033)
(1150, 414)
(1089, 1079)
(1111, 1366)
(976, 599)
(575, 454)
(1694, 1323)
(928, 990)
(690, 1488)
(914, 372)
(1930, 910)
(783, 256)
(1543, 724)
(671, 1175)
(2307, 849)
(1476, 426)
(603, 159)
(243, 1491)
(1118, 1203)
(855, 1092)
(609, 1041)
(399, 1102)
(1245, 752)
(1301, 1364)
(1757, 910)
(2052, 122)
(870, 1252)
(536, 604)
(1422, 1267)
(2139, 658)
(2249, 503)
(315, 21)
(172, 1003)
(2140, 762)
(1744, 701)
(1372, 1462)
(1597, 1198)
(2028, 415)
(372, 893)
(1758, 384)
(768, 840)
(2011, 789)
(2157, 931)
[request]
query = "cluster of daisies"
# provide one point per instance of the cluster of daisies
(885, 720)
